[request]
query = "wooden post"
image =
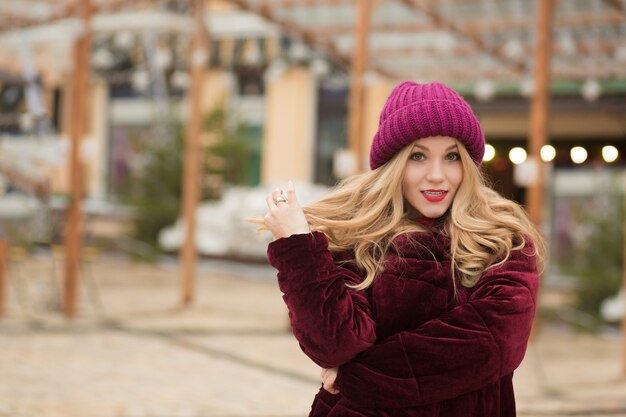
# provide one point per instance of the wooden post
(540, 109)
(192, 157)
(359, 63)
(4, 253)
(73, 229)
(624, 288)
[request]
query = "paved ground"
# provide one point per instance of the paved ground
(132, 352)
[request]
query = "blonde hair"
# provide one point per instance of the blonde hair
(485, 227)
(366, 212)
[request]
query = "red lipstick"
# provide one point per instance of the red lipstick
(434, 196)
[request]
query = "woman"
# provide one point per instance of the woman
(413, 285)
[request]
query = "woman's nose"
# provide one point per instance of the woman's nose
(435, 172)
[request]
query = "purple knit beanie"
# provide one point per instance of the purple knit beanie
(415, 111)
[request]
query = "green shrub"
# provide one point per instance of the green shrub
(597, 253)
(155, 190)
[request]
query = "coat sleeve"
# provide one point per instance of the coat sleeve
(331, 322)
(472, 345)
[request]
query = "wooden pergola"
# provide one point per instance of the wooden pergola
(455, 41)
(22, 20)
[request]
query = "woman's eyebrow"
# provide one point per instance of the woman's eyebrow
(427, 149)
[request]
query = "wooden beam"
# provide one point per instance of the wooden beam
(308, 37)
(38, 187)
(607, 46)
(469, 73)
(464, 74)
(20, 22)
(579, 74)
(73, 231)
(468, 50)
(12, 21)
(574, 20)
(540, 109)
(56, 2)
(455, 2)
(590, 19)
(68, 11)
(476, 26)
(461, 76)
(422, 52)
(292, 29)
(624, 289)
(4, 254)
(192, 154)
(328, 31)
(292, 4)
(438, 18)
(616, 4)
(357, 72)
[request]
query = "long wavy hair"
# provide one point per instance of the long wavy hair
(366, 212)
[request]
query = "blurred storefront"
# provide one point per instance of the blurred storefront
(289, 99)
(292, 99)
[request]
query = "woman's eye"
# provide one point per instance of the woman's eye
(417, 156)
(453, 156)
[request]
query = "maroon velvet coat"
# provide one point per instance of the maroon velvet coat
(407, 346)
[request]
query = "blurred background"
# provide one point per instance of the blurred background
(125, 123)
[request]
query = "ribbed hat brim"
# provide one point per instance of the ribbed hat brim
(426, 119)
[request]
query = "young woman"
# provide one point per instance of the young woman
(412, 285)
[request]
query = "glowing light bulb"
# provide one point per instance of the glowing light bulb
(609, 153)
(517, 155)
(578, 154)
(548, 153)
(490, 153)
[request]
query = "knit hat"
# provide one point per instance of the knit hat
(415, 111)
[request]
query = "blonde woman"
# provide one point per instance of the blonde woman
(413, 285)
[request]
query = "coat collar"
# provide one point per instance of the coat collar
(424, 245)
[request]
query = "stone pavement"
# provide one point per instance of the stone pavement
(132, 352)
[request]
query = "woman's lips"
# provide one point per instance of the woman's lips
(434, 196)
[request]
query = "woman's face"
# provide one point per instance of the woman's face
(432, 175)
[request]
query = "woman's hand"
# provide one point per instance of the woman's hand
(285, 216)
(328, 379)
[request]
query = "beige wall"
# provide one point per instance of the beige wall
(288, 137)
(217, 88)
(95, 162)
(561, 125)
(375, 96)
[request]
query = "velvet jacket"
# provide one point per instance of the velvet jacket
(408, 346)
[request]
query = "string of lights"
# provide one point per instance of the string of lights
(577, 154)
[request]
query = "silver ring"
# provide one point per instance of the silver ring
(281, 199)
